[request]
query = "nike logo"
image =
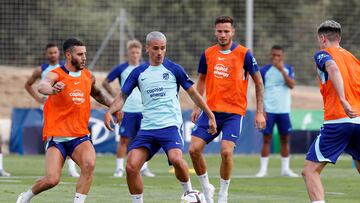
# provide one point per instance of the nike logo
(142, 79)
(177, 143)
(233, 135)
(221, 59)
(76, 83)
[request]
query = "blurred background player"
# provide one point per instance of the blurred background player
(159, 81)
(133, 106)
(224, 71)
(52, 54)
(3, 173)
(66, 120)
(278, 80)
(339, 77)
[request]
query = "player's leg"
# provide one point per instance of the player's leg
(175, 157)
(120, 155)
(311, 175)
(2, 170)
(136, 158)
(54, 161)
(265, 150)
(84, 155)
(72, 168)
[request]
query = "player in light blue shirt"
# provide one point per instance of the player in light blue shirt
(159, 81)
(130, 124)
(278, 81)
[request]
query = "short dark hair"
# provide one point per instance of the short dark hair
(224, 19)
(331, 29)
(70, 43)
(277, 47)
(50, 45)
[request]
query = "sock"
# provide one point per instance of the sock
(264, 161)
(137, 198)
(285, 163)
(71, 164)
(144, 166)
(321, 201)
(28, 195)
(204, 181)
(186, 185)
(1, 161)
(79, 198)
(120, 163)
(224, 186)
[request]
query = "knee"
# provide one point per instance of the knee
(284, 139)
(124, 141)
(52, 180)
(132, 168)
(267, 139)
(226, 154)
(176, 161)
(193, 151)
(307, 171)
(88, 166)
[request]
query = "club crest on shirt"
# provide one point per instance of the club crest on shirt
(166, 76)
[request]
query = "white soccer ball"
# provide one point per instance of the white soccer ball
(193, 196)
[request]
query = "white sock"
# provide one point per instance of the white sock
(1, 161)
(321, 201)
(204, 181)
(79, 198)
(71, 164)
(120, 163)
(186, 185)
(224, 186)
(285, 163)
(144, 166)
(28, 195)
(264, 161)
(137, 198)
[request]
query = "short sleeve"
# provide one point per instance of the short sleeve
(291, 72)
(250, 63)
(321, 58)
(131, 82)
(182, 78)
(116, 72)
(202, 68)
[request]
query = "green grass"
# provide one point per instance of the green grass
(341, 181)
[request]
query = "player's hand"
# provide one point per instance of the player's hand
(42, 100)
(58, 87)
(212, 125)
(260, 121)
(348, 110)
(109, 121)
(119, 115)
(195, 114)
(279, 65)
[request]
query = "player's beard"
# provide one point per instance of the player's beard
(76, 64)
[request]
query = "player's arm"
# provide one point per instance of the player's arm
(199, 101)
(49, 85)
(259, 92)
(108, 88)
(97, 94)
(290, 82)
(200, 85)
(28, 85)
(115, 109)
(337, 81)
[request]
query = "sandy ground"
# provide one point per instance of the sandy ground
(13, 94)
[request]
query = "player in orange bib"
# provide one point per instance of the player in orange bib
(66, 117)
(224, 72)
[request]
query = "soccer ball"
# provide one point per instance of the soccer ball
(193, 196)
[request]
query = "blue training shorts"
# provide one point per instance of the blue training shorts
(165, 138)
(229, 124)
(67, 148)
(333, 140)
(130, 125)
(282, 121)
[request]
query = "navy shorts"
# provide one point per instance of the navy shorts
(67, 148)
(282, 121)
(333, 140)
(165, 138)
(227, 123)
(130, 125)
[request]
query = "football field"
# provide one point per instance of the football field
(341, 181)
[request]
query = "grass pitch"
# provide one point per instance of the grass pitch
(341, 181)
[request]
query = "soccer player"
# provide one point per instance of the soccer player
(159, 81)
(224, 71)
(339, 77)
(66, 118)
(278, 79)
(2, 170)
(52, 54)
(130, 124)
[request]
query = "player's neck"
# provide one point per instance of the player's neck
(53, 62)
(226, 47)
(134, 63)
(70, 68)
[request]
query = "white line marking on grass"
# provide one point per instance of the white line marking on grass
(67, 183)
(24, 177)
(10, 181)
(335, 193)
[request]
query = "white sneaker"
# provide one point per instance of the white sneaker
(119, 173)
(222, 198)
(261, 174)
(4, 173)
(73, 173)
(147, 173)
(20, 199)
(289, 173)
(209, 194)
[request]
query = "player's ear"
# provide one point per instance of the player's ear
(147, 48)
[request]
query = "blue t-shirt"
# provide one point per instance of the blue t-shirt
(159, 88)
(321, 58)
(46, 68)
(277, 97)
(121, 72)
